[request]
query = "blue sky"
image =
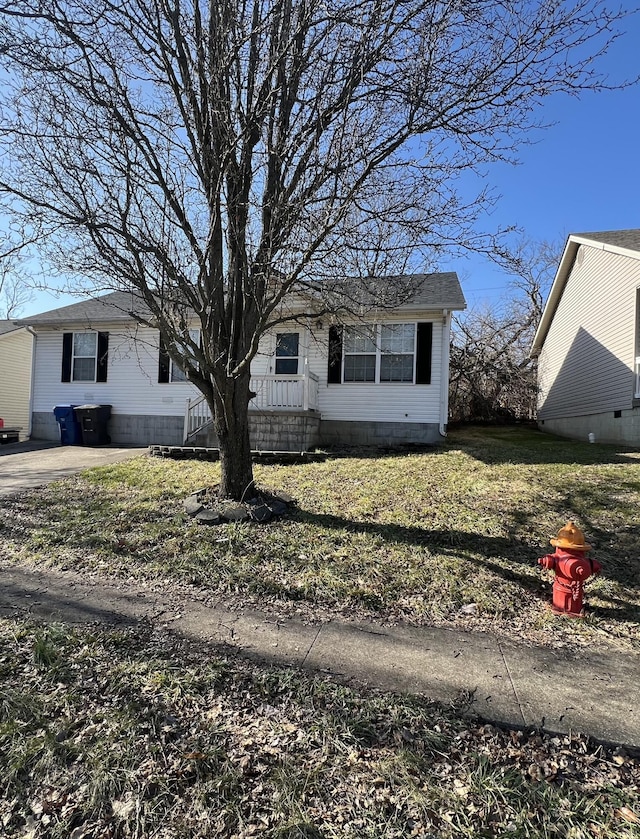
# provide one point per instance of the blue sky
(580, 174)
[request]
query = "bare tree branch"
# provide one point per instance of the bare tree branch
(492, 375)
(217, 157)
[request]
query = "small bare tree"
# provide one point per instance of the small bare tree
(215, 157)
(492, 377)
(14, 290)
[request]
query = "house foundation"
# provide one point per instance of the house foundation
(363, 433)
(275, 431)
(268, 430)
(617, 427)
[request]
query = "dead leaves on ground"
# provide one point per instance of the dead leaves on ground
(133, 734)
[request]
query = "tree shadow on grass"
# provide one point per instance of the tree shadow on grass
(475, 547)
(480, 550)
(619, 547)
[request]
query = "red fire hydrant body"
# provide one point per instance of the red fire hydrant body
(572, 569)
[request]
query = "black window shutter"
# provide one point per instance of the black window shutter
(423, 353)
(163, 363)
(67, 349)
(103, 356)
(334, 369)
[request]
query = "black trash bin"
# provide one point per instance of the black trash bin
(70, 431)
(93, 421)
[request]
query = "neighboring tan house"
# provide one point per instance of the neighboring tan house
(15, 376)
(588, 341)
(380, 381)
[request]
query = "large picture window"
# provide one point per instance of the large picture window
(381, 353)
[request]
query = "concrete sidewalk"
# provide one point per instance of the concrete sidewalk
(34, 463)
(594, 693)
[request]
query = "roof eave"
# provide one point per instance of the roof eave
(605, 246)
(557, 287)
(84, 323)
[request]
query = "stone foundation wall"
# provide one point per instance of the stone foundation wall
(124, 429)
(293, 432)
(276, 432)
(339, 432)
(44, 426)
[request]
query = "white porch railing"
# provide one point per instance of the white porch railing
(285, 392)
(196, 416)
(273, 393)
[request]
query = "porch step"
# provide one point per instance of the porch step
(213, 454)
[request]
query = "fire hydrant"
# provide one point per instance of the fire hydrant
(572, 568)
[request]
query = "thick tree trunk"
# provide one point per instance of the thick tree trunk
(231, 423)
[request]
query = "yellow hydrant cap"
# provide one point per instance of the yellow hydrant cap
(570, 537)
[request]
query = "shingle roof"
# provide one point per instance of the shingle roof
(116, 306)
(436, 291)
(628, 239)
(7, 326)
(407, 291)
(427, 291)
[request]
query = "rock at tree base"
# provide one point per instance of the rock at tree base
(208, 517)
(193, 505)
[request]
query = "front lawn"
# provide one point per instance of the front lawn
(413, 536)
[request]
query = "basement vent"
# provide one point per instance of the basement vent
(617, 414)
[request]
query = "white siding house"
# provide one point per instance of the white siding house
(15, 376)
(382, 380)
(588, 341)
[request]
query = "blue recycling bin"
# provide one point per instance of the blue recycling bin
(70, 428)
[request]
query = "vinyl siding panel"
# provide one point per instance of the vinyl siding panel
(132, 377)
(383, 402)
(15, 378)
(587, 363)
(132, 382)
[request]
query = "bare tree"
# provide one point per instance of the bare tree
(492, 377)
(14, 290)
(215, 157)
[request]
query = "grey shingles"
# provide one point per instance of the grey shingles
(7, 326)
(429, 291)
(442, 289)
(115, 306)
(629, 239)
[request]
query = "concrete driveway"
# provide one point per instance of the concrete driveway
(34, 463)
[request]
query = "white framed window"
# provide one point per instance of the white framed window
(287, 353)
(359, 354)
(176, 373)
(84, 356)
(379, 353)
(397, 352)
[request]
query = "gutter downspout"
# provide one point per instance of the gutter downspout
(31, 331)
(444, 366)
